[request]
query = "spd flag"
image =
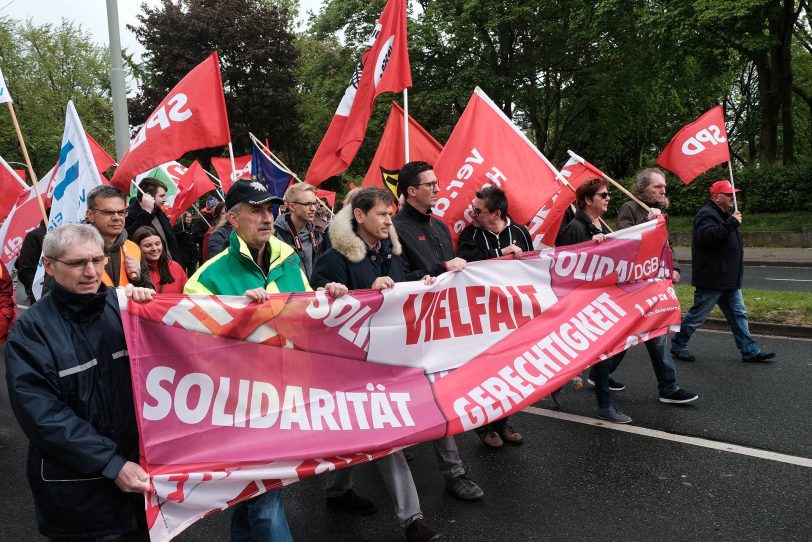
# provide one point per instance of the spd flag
(384, 67)
(697, 147)
(192, 116)
(192, 185)
(487, 149)
(390, 156)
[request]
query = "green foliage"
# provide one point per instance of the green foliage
(44, 67)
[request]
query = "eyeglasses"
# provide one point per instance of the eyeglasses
(603, 195)
(306, 203)
(432, 185)
(110, 212)
(77, 265)
(477, 211)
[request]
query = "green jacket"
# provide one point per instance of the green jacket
(234, 271)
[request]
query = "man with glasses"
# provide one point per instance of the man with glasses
(107, 211)
(492, 235)
(427, 250)
(69, 386)
(297, 228)
(717, 260)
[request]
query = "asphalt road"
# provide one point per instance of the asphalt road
(573, 480)
(787, 279)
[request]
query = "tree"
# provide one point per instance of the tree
(44, 67)
(255, 42)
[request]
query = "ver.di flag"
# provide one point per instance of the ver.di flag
(697, 147)
(384, 67)
(4, 94)
(391, 153)
(487, 149)
(347, 380)
(192, 116)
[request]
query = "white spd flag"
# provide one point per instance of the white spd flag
(4, 95)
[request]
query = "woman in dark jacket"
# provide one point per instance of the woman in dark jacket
(187, 243)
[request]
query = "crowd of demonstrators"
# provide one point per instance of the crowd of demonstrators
(493, 234)
(717, 259)
(147, 210)
(167, 275)
(187, 234)
(592, 200)
(650, 188)
(69, 386)
(297, 228)
(427, 250)
(366, 254)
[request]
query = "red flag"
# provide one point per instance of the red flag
(23, 217)
(222, 166)
(11, 186)
(192, 116)
(390, 156)
(697, 147)
(103, 160)
(191, 187)
(486, 148)
(384, 67)
(330, 196)
(544, 227)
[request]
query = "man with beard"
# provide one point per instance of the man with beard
(649, 188)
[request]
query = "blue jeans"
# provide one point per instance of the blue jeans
(261, 519)
(732, 305)
(662, 363)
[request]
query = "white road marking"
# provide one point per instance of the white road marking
(790, 280)
(694, 441)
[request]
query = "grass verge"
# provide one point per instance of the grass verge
(792, 308)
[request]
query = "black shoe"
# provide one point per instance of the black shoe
(614, 385)
(350, 503)
(683, 356)
(679, 397)
(761, 356)
(464, 488)
(420, 531)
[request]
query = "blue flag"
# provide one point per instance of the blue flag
(269, 173)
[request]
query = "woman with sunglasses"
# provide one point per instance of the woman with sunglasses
(166, 274)
(592, 201)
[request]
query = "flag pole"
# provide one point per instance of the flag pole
(233, 165)
(406, 124)
(200, 214)
(34, 180)
(735, 204)
(219, 192)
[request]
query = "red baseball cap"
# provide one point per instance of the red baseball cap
(722, 187)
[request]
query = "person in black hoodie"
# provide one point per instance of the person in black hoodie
(147, 210)
(69, 386)
(717, 260)
(427, 250)
(365, 254)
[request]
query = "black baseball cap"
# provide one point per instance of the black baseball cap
(253, 192)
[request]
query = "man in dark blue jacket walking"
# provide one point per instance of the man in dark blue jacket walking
(717, 254)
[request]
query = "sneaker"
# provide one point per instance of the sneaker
(489, 437)
(464, 488)
(350, 503)
(761, 356)
(679, 397)
(613, 414)
(683, 356)
(511, 436)
(420, 531)
(614, 385)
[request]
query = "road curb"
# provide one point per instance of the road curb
(764, 328)
(763, 263)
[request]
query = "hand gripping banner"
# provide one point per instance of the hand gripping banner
(235, 398)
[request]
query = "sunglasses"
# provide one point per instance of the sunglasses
(603, 195)
(477, 211)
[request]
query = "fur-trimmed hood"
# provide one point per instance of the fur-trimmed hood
(347, 243)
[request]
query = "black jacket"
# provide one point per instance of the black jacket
(187, 239)
(717, 250)
(477, 244)
(137, 217)
(426, 243)
(28, 260)
(578, 230)
(351, 262)
(68, 377)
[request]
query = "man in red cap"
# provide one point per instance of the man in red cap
(717, 253)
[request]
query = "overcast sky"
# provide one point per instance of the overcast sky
(92, 15)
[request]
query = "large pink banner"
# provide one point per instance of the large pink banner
(234, 399)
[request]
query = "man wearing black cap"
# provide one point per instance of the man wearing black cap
(717, 253)
(254, 264)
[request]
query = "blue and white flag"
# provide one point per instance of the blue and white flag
(275, 177)
(4, 95)
(75, 176)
